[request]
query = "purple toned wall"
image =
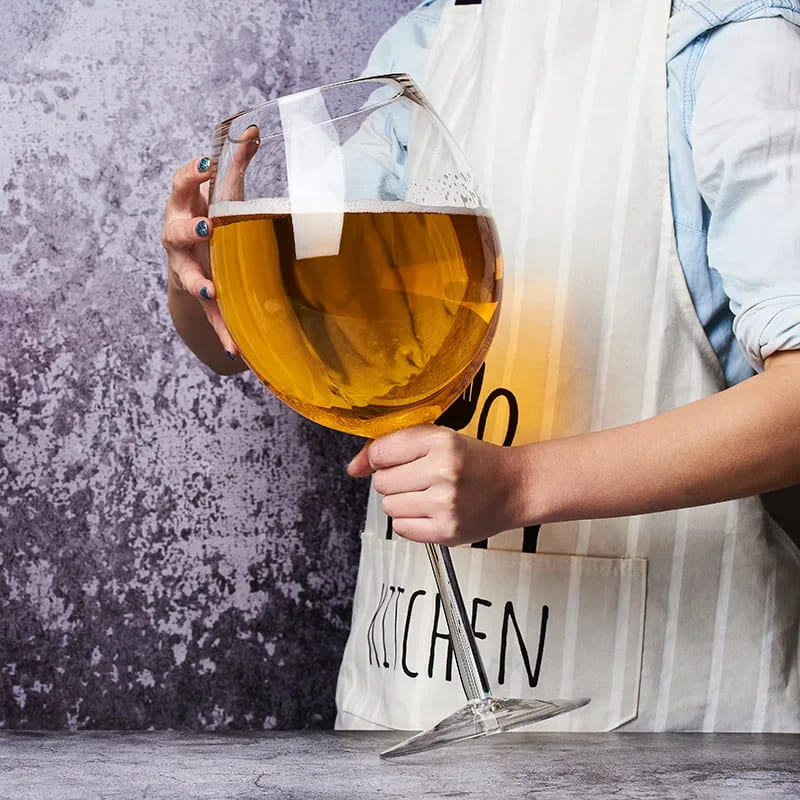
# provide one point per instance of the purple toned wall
(176, 549)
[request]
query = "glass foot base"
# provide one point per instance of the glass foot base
(482, 718)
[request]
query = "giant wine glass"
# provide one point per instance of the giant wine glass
(358, 271)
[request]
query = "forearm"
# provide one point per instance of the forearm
(197, 333)
(743, 441)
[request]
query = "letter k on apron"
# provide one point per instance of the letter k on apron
(684, 620)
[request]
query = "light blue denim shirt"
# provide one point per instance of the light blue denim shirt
(733, 93)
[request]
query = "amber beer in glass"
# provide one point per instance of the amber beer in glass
(384, 334)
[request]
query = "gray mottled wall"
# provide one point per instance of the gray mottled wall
(176, 549)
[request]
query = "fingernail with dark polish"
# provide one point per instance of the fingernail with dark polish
(204, 164)
(229, 354)
(205, 294)
(201, 229)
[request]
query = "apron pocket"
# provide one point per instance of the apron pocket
(548, 626)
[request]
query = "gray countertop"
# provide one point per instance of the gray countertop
(323, 764)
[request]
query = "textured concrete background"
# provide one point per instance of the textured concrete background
(176, 549)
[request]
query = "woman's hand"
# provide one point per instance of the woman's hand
(185, 236)
(187, 229)
(441, 486)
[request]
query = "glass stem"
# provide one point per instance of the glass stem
(468, 659)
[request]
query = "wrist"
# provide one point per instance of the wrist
(527, 500)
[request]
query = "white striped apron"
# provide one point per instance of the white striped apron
(684, 620)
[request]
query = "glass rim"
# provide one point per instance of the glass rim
(401, 80)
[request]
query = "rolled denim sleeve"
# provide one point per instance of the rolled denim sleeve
(745, 137)
(405, 46)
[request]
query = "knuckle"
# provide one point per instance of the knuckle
(447, 531)
(445, 440)
(375, 453)
(186, 278)
(448, 496)
(166, 237)
(450, 471)
(447, 473)
(379, 482)
(182, 281)
(440, 436)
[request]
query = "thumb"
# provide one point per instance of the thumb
(359, 467)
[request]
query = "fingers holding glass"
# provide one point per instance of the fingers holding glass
(185, 235)
(188, 275)
(186, 243)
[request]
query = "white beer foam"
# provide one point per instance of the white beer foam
(282, 205)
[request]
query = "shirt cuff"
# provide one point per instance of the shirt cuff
(767, 327)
